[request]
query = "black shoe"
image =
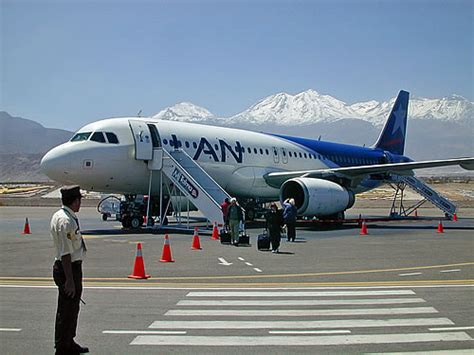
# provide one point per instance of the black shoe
(80, 349)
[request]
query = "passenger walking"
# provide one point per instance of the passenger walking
(289, 218)
(225, 207)
(67, 270)
(234, 217)
(274, 221)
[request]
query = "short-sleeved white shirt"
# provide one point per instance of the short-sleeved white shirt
(66, 235)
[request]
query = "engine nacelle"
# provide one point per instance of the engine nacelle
(317, 197)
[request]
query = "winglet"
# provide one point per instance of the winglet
(392, 137)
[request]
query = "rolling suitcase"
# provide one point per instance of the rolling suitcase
(225, 236)
(263, 241)
(244, 238)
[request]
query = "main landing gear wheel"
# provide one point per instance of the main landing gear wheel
(136, 222)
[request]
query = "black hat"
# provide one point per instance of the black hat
(71, 192)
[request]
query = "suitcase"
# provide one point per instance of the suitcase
(263, 241)
(225, 236)
(244, 239)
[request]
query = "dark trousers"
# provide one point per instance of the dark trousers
(275, 238)
(68, 308)
(291, 231)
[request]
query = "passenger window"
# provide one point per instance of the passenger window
(249, 150)
(81, 137)
(261, 151)
(289, 153)
(267, 152)
(301, 155)
(98, 137)
(186, 144)
(111, 137)
(195, 145)
(305, 155)
(165, 141)
(255, 150)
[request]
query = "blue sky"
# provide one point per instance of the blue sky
(66, 63)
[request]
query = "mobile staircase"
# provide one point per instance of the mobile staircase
(424, 190)
(193, 182)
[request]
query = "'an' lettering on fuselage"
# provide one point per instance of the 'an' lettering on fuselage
(206, 148)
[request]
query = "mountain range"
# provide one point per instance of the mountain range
(437, 128)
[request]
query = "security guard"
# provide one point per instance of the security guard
(67, 270)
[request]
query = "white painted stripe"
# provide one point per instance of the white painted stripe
(339, 323)
(240, 258)
(10, 329)
(298, 340)
(450, 328)
(212, 294)
(257, 269)
(248, 264)
(298, 312)
(326, 302)
(411, 274)
(309, 332)
(454, 270)
(159, 332)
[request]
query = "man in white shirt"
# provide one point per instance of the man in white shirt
(67, 270)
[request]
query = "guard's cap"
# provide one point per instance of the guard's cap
(233, 199)
(71, 191)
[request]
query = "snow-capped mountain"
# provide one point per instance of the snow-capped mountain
(185, 111)
(310, 107)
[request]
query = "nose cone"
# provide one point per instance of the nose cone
(56, 164)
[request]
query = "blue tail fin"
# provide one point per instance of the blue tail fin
(392, 137)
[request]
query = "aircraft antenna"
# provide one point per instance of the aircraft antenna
(139, 113)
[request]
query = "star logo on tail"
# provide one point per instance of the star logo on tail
(400, 115)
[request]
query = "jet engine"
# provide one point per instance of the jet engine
(317, 197)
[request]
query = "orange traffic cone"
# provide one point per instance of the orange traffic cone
(26, 229)
(455, 217)
(363, 229)
(166, 254)
(440, 227)
(215, 232)
(139, 267)
(196, 243)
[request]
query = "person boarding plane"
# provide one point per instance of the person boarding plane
(135, 155)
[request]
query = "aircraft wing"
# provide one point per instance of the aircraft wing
(277, 178)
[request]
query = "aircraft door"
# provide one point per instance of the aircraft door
(284, 155)
(276, 155)
(143, 141)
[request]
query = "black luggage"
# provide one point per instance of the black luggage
(244, 239)
(263, 241)
(225, 236)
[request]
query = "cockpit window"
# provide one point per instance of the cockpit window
(83, 136)
(98, 137)
(112, 137)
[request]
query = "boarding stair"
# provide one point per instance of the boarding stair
(426, 192)
(197, 185)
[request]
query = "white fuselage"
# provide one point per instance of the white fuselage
(113, 167)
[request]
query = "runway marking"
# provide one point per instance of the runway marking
(454, 270)
(248, 264)
(274, 303)
(257, 269)
(298, 312)
(258, 277)
(223, 262)
(299, 293)
(10, 329)
(450, 329)
(309, 332)
(411, 274)
(159, 332)
(327, 324)
(299, 340)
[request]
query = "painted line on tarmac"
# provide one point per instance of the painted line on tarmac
(265, 303)
(10, 329)
(250, 285)
(299, 340)
(299, 293)
(257, 269)
(298, 312)
(450, 329)
(266, 276)
(327, 324)
(411, 274)
(159, 332)
(454, 270)
(309, 332)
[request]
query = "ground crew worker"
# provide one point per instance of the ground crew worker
(234, 217)
(67, 270)
(289, 217)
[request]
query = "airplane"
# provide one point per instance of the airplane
(113, 156)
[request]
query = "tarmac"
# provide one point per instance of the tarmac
(404, 287)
